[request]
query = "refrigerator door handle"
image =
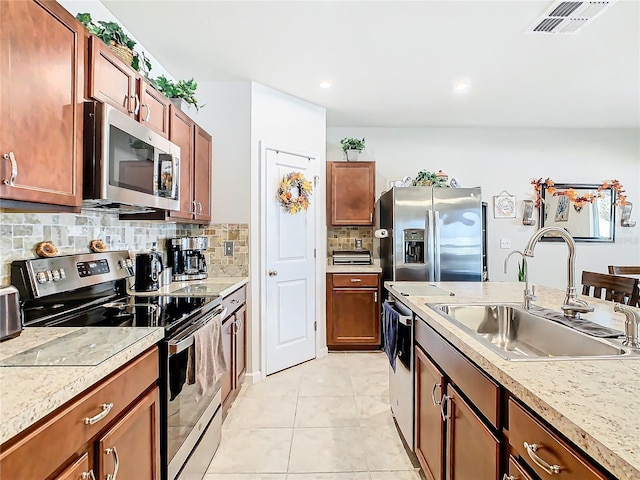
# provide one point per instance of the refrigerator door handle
(436, 244)
(430, 256)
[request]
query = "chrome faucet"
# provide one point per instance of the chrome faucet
(572, 306)
(631, 325)
(529, 295)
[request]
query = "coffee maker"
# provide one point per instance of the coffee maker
(186, 257)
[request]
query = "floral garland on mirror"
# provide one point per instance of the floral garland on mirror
(579, 201)
(294, 192)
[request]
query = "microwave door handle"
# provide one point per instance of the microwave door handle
(180, 344)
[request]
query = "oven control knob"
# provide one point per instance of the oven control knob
(62, 273)
(41, 277)
(56, 275)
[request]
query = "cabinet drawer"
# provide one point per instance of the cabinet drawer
(54, 440)
(516, 472)
(551, 449)
(355, 280)
(234, 300)
(483, 392)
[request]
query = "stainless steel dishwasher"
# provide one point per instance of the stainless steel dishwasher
(401, 382)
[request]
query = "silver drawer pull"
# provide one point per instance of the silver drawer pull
(14, 169)
(116, 463)
(148, 116)
(508, 477)
(433, 395)
(355, 280)
(446, 400)
(235, 301)
(531, 450)
(87, 475)
(106, 408)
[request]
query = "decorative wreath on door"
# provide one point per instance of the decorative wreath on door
(294, 192)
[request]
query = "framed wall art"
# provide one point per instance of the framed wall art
(504, 205)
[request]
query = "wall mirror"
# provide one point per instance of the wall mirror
(583, 211)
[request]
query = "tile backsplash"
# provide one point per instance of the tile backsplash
(344, 238)
(71, 233)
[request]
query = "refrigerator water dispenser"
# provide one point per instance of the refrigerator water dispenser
(414, 245)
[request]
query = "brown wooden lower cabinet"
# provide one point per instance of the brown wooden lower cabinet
(121, 413)
(353, 311)
(234, 339)
(516, 471)
(473, 450)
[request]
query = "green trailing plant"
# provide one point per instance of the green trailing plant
(522, 270)
(184, 89)
(426, 178)
(112, 32)
(352, 144)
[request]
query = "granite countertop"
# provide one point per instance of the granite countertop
(594, 403)
(29, 393)
(212, 286)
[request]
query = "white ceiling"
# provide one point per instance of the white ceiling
(394, 63)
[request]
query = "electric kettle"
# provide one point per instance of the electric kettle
(148, 268)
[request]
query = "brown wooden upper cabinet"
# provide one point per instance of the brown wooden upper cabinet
(350, 193)
(41, 93)
(113, 82)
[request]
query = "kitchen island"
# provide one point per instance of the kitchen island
(592, 402)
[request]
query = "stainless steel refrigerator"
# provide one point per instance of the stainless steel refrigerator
(435, 234)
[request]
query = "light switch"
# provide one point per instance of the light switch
(228, 249)
(505, 243)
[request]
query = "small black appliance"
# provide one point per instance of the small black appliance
(148, 268)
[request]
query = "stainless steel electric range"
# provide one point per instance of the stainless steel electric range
(89, 290)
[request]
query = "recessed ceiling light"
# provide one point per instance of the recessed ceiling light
(462, 86)
(325, 84)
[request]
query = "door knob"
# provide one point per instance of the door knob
(273, 273)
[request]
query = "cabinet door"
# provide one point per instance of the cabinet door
(181, 132)
(131, 447)
(516, 472)
(41, 95)
(78, 470)
(351, 193)
(227, 343)
(473, 451)
(154, 108)
(111, 80)
(202, 175)
(353, 317)
(240, 328)
(430, 386)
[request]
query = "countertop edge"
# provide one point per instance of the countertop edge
(606, 455)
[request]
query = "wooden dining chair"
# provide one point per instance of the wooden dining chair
(624, 269)
(614, 287)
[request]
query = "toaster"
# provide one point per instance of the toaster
(10, 313)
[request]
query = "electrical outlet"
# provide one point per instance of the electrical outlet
(505, 243)
(228, 249)
(358, 244)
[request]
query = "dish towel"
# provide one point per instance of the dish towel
(206, 363)
(390, 332)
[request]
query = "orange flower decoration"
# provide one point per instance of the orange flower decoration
(573, 195)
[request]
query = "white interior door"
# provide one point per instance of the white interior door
(290, 268)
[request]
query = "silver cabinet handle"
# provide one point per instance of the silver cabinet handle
(137, 98)
(446, 400)
(532, 448)
(435, 401)
(200, 208)
(375, 297)
(87, 475)
(371, 217)
(356, 280)
(508, 477)
(148, 116)
(193, 207)
(106, 408)
(14, 169)
(273, 273)
(235, 301)
(116, 463)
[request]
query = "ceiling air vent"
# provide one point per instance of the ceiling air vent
(568, 17)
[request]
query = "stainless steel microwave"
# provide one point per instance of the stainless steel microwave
(128, 167)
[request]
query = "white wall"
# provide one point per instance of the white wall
(226, 115)
(509, 159)
(285, 121)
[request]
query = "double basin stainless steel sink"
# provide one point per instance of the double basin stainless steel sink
(518, 334)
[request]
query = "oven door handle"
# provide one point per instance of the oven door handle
(181, 343)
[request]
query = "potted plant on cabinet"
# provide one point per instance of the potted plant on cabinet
(352, 148)
(118, 41)
(181, 93)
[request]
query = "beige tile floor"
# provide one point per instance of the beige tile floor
(327, 419)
